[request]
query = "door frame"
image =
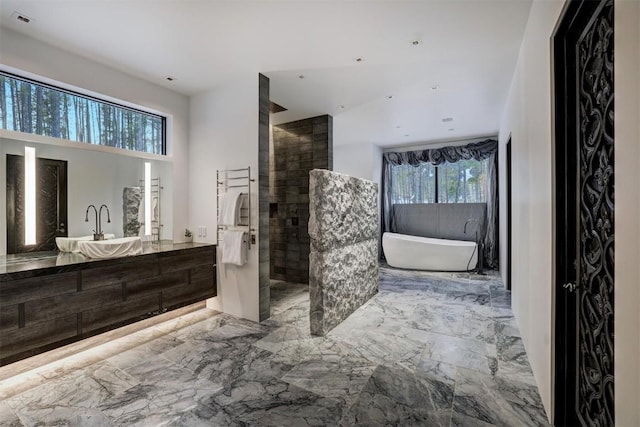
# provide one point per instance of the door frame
(12, 238)
(565, 221)
(574, 18)
(509, 194)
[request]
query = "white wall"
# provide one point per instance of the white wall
(45, 60)
(224, 135)
(627, 219)
(359, 160)
(528, 119)
(362, 161)
(94, 177)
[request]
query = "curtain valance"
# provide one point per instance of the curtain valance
(436, 156)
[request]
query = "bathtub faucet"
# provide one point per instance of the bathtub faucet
(477, 225)
(480, 269)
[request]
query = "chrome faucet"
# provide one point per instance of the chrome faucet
(480, 267)
(477, 225)
(100, 220)
(96, 234)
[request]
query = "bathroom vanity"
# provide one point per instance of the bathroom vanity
(50, 299)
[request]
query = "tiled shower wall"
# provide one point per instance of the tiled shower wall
(297, 148)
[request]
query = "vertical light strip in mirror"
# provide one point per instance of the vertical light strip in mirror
(147, 198)
(29, 195)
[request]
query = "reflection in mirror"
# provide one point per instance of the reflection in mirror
(131, 201)
(94, 176)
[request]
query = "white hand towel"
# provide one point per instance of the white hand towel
(234, 247)
(229, 208)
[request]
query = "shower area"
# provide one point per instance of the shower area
(295, 148)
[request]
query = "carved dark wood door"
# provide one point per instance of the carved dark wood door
(51, 204)
(584, 95)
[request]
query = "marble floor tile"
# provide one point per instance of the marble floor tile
(73, 398)
(8, 417)
(482, 323)
(273, 403)
(396, 396)
(297, 329)
(507, 327)
(331, 379)
(196, 355)
(132, 356)
(462, 353)
(459, 420)
(443, 318)
(375, 318)
(159, 370)
(512, 360)
(428, 349)
(404, 347)
(150, 405)
(293, 314)
(501, 301)
(250, 364)
(315, 348)
(285, 295)
(197, 330)
(441, 371)
(497, 401)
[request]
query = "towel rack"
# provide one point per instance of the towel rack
(235, 178)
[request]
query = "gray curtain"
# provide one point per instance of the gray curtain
(483, 150)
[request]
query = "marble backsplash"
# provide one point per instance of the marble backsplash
(343, 264)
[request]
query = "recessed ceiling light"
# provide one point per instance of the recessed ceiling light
(416, 42)
(447, 119)
(21, 17)
(435, 87)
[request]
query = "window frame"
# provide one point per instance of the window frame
(98, 99)
(436, 178)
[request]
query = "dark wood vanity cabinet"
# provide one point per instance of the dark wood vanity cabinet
(60, 305)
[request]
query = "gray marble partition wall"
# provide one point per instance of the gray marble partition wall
(131, 198)
(343, 264)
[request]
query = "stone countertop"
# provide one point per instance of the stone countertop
(26, 265)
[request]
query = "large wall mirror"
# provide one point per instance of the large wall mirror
(93, 176)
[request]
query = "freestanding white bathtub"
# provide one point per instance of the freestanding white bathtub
(426, 253)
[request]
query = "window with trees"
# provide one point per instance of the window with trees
(33, 107)
(461, 182)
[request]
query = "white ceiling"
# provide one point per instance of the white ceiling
(467, 48)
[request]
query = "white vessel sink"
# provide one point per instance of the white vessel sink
(70, 244)
(124, 246)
